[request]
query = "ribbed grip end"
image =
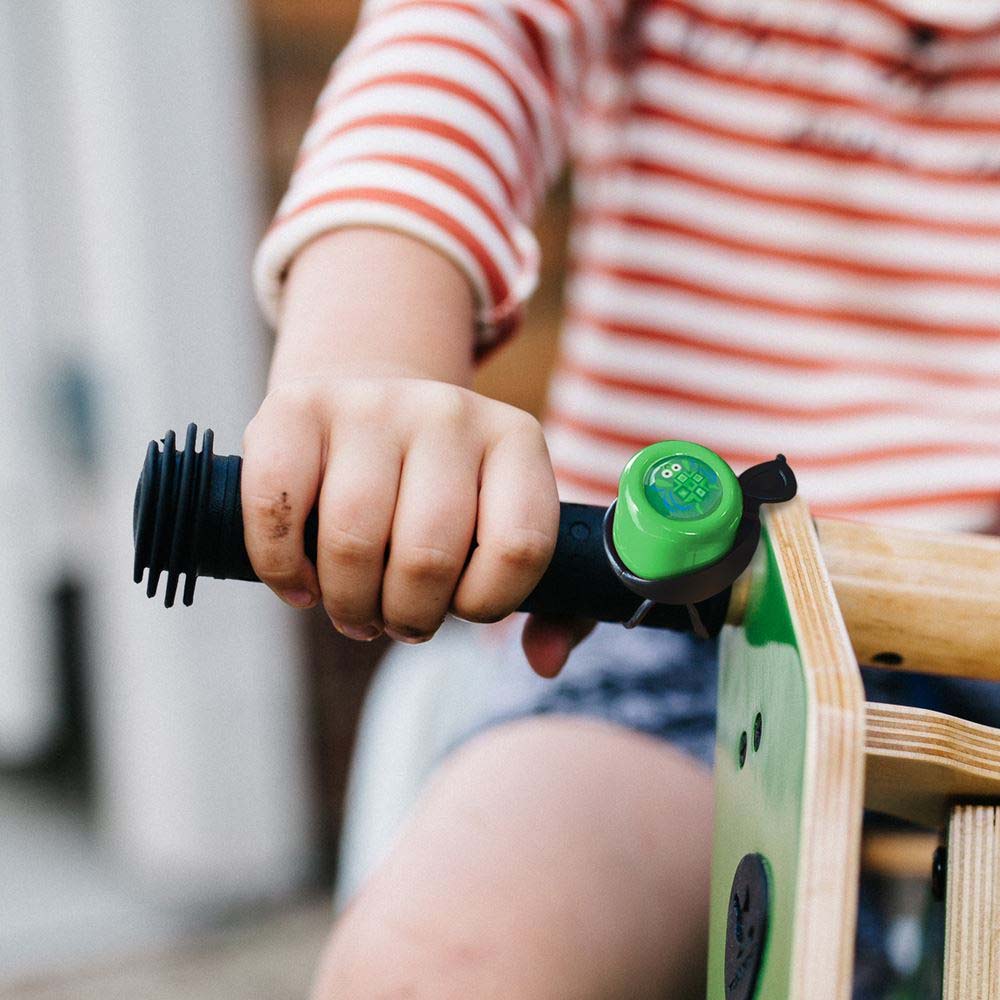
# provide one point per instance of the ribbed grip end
(187, 517)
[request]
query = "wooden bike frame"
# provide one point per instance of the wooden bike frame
(799, 754)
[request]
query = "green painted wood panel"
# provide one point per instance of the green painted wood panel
(759, 806)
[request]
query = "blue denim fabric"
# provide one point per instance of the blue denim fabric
(654, 682)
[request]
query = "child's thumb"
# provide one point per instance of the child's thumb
(549, 641)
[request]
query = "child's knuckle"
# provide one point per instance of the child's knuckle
(294, 396)
(256, 436)
(364, 403)
(250, 433)
(347, 546)
(523, 549)
(448, 404)
(526, 423)
(426, 563)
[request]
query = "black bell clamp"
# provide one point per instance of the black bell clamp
(665, 554)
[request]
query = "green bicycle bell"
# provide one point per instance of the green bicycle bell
(678, 509)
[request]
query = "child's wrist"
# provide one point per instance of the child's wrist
(367, 301)
(372, 368)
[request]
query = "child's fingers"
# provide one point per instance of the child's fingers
(518, 522)
(356, 507)
(282, 455)
(548, 642)
(431, 533)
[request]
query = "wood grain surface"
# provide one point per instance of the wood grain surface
(972, 929)
(912, 600)
(917, 600)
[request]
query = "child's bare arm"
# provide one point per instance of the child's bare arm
(369, 415)
(377, 302)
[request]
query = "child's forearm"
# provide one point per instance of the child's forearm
(369, 301)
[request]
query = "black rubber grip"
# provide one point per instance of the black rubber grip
(188, 520)
(580, 581)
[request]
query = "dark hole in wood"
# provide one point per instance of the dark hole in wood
(888, 659)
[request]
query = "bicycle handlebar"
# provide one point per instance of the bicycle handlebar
(188, 520)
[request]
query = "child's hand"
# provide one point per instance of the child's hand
(370, 417)
(406, 473)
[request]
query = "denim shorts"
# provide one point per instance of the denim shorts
(665, 684)
(648, 680)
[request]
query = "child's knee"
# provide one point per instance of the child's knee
(369, 957)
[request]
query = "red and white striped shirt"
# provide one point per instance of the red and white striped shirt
(787, 222)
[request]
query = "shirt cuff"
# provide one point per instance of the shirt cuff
(502, 266)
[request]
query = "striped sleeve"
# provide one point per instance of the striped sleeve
(445, 120)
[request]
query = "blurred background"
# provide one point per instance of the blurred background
(171, 782)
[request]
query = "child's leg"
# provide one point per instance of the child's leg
(553, 857)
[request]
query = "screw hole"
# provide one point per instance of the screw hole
(743, 748)
(888, 659)
(758, 731)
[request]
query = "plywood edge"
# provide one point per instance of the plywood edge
(972, 928)
(834, 770)
(919, 762)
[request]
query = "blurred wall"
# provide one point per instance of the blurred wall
(130, 206)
